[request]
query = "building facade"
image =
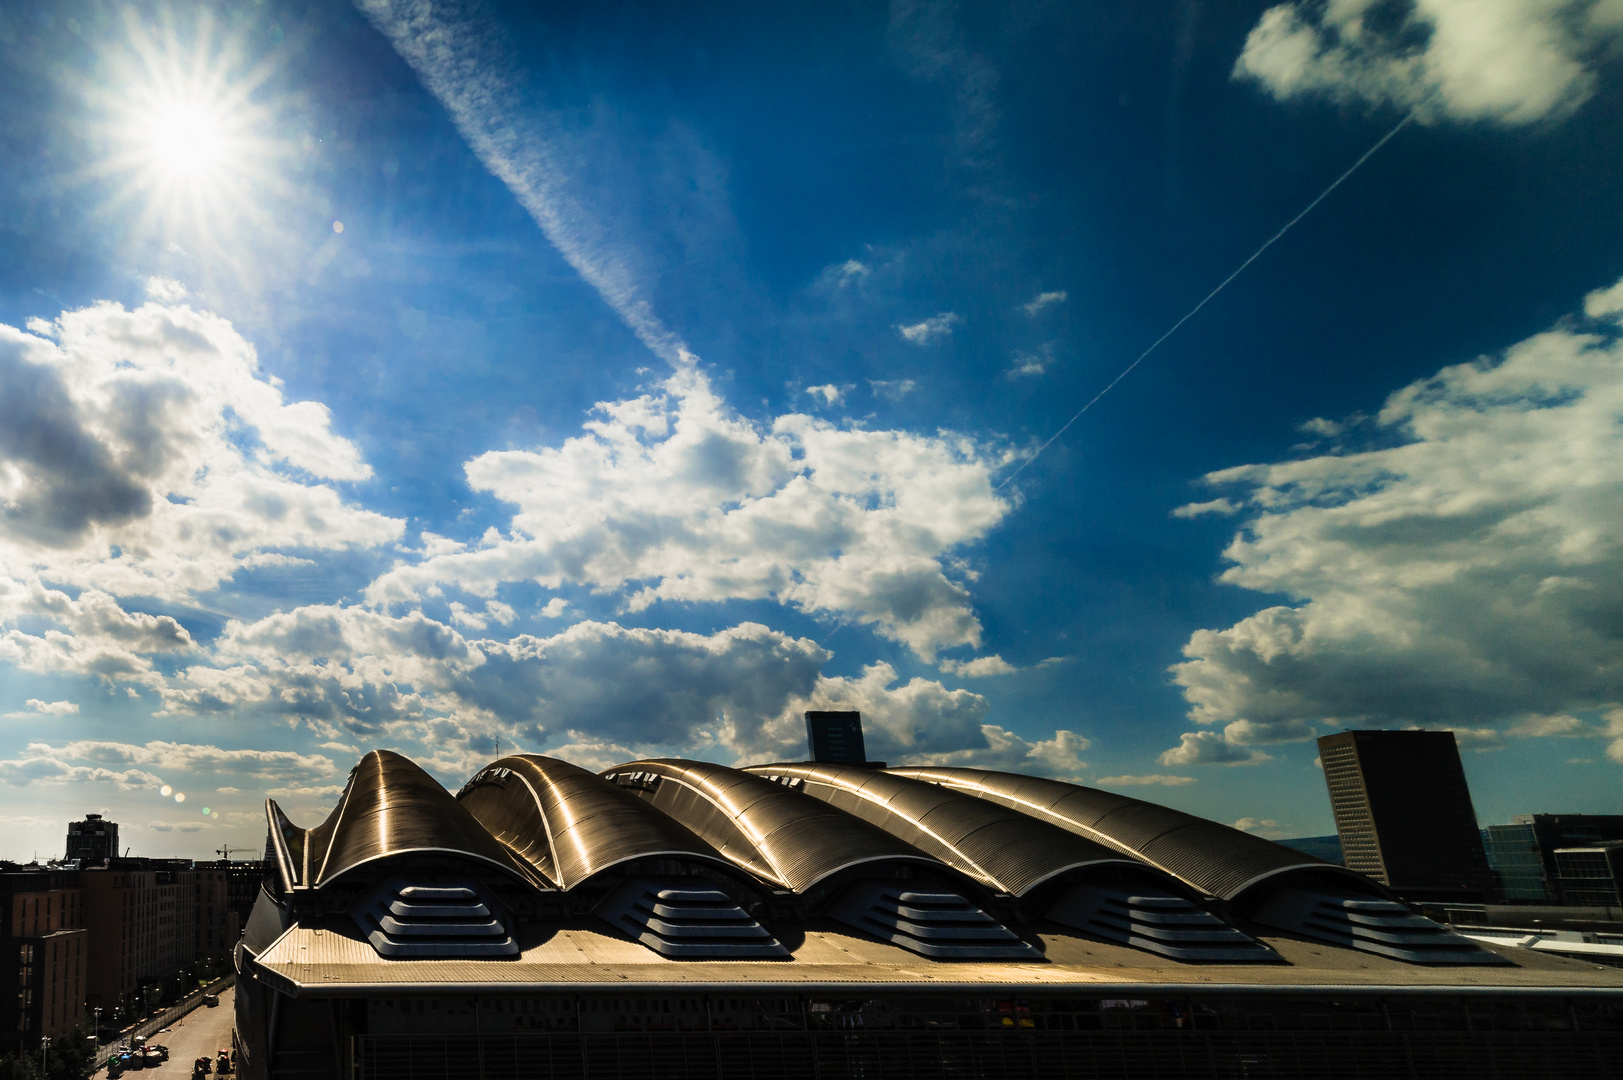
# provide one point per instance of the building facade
(1591, 876)
(44, 957)
(92, 841)
(836, 737)
(1403, 812)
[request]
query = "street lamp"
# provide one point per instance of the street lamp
(98, 1025)
(45, 1054)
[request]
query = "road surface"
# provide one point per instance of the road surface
(202, 1031)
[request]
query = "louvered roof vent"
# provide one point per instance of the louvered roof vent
(1370, 925)
(1156, 921)
(930, 921)
(405, 918)
(687, 918)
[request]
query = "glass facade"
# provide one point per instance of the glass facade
(1513, 855)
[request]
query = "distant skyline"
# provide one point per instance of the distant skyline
(613, 381)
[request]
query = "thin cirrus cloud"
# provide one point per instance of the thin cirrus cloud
(459, 54)
(1506, 61)
(1468, 576)
(674, 497)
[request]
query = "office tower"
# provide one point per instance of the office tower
(1591, 875)
(836, 737)
(1513, 854)
(1404, 812)
(93, 840)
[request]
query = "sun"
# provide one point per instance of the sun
(186, 140)
(189, 149)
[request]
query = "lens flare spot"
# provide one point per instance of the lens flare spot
(166, 791)
(180, 796)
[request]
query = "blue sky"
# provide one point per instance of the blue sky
(621, 380)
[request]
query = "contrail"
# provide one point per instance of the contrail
(1221, 286)
(460, 57)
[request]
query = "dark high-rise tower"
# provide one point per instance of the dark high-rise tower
(1404, 812)
(836, 737)
(93, 840)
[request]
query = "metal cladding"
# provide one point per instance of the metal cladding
(781, 836)
(569, 824)
(389, 808)
(683, 918)
(1002, 848)
(1216, 859)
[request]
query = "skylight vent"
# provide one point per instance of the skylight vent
(939, 924)
(406, 920)
(1159, 922)
(687, 919)
(1369, 925)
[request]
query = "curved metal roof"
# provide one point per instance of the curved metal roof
(1000, 847)
(779, 835)
(390, 807)
(1217, 859)
(570, 824)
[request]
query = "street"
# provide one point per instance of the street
(203, 1031)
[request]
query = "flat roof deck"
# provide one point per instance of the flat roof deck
(331, 959)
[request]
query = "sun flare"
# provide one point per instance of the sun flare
(190, 150)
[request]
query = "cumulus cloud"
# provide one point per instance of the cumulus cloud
(34, 707)
(1465, 573)
(980, 667)
(1058, 757)
(936, 326)
(831, 394)
(165, 290)
(1210, 748)
(1030, 364)
(676, 498)
(1505, 61)
(1159, 779)
(1044, 300)
(143, 453)
(737, 693)
(1265, 827)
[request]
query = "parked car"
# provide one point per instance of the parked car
(211, 1000)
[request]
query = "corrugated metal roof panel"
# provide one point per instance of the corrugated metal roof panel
(391, 807)
(781, 835)
(999, 845)
(581, 823)
(1214, 858)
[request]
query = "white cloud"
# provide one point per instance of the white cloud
(831, 394)
(1160, 779)
(936, 326)
(1265, 827)
(35, 707)
(934, 48)
(1044, 300)
(739, 692)
(979, 668)
(1223, 507)
(554, 608)
(679, 498)
(165, 290)
(1508, 61)
(894, 389)
(1031, 364)
(1058, 757)
(1210, 748)
(1469, 576)
(143, 454)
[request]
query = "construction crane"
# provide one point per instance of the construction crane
(225, 852)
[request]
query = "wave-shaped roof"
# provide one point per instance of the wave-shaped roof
(779, 835)
(569, 824)
(1001, 847)
(1218, 860)
(389, 808)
